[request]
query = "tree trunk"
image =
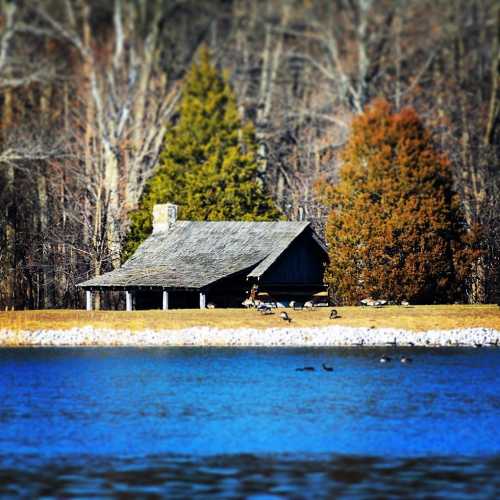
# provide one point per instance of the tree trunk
(8, 274)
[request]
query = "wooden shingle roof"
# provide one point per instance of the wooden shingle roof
(192, 255)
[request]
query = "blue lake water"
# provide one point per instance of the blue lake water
(201, 423)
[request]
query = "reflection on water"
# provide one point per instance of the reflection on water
(230, 476)
(243, 422)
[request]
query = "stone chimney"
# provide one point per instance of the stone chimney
(163, 216)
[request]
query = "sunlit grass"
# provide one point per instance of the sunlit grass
(410, 318)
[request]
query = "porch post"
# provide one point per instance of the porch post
(203, 299)
(128, 300)
(88, 299)
(165, 300)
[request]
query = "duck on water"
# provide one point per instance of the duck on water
(325, 367)
(388, 359)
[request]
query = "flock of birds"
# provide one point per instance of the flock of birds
(265, 309)
(326, 368)
(387, 359)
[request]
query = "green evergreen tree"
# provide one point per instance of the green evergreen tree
(209, 164)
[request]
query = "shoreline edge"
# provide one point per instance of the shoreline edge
(331, 336)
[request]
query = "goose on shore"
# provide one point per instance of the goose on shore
(361, 343)
(284, 316)
(333, 314)
(493, 344)
(305, 369)
(393, 343)
(385, 359)
(265, 310)
(327, 368)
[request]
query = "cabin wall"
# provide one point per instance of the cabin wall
(302, 264)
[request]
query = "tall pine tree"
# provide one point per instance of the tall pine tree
(209, 164)
(394, 230)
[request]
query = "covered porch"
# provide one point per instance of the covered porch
(152, 298)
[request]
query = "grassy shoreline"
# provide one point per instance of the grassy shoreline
(417, 318)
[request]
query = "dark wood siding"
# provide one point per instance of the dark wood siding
(302, 263)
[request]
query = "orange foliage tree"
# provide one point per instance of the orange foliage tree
(394, 230)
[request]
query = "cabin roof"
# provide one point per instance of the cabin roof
(193, 255)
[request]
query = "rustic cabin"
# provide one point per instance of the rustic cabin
(187, 264)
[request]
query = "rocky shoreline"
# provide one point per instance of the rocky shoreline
(249, 337)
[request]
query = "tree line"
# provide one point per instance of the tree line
(89, 91)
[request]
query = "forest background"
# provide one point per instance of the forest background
(88, 90)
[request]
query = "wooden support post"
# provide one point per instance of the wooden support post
(203, 300)
(128, 300)
(165, 300)
(88, 297)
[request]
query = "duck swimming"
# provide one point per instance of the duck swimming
(385, 359)
(305, 369)
(327, 368)
(405, 359)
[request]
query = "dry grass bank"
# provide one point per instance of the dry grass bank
(416, 318)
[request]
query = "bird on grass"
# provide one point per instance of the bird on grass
(385, 359)
(284, 316)
(327, 368)
(334, 314)
(305, 369)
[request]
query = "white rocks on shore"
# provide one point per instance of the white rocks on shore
(250, 337)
